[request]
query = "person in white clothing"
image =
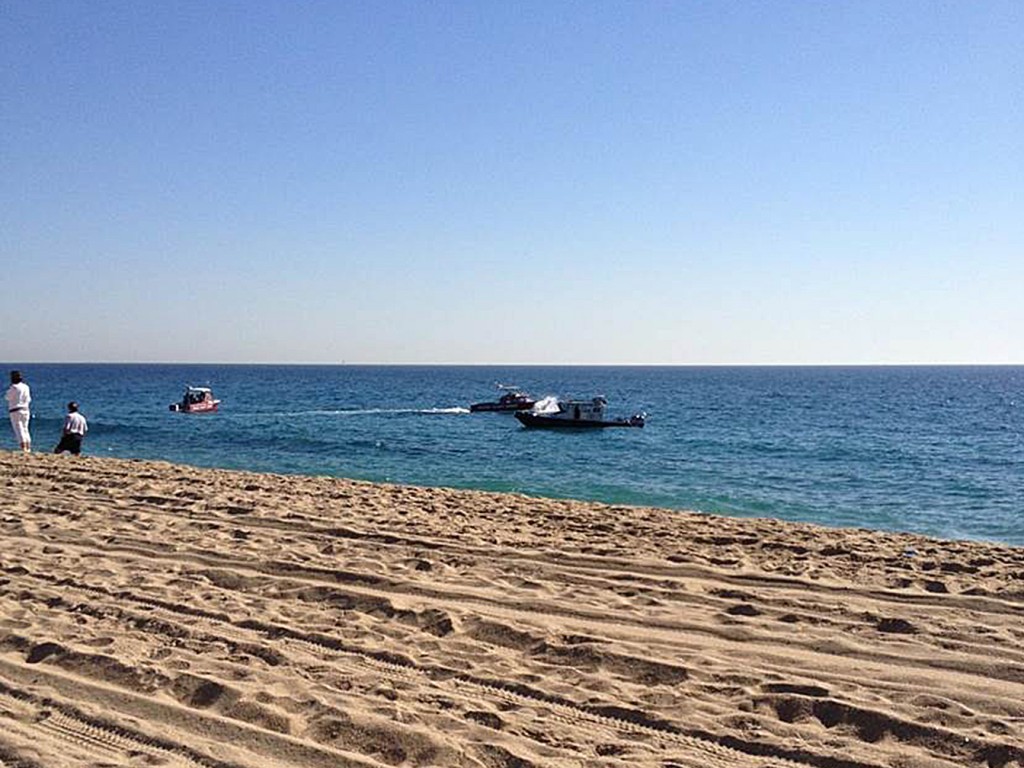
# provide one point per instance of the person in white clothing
(74, 430)
(18, 399)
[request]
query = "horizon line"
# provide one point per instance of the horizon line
(343, 363)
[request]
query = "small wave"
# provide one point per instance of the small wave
(547, 404)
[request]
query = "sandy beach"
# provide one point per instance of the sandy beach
(154, 614)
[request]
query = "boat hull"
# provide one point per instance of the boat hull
(195, 407)
(541, 421)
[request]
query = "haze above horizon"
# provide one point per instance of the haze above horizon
(528, 183)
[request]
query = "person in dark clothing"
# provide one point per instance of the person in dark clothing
(74, 430)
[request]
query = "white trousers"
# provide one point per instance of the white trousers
(19, 422)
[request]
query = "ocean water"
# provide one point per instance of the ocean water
(934, 450)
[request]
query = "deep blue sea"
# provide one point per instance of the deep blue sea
(935, 450)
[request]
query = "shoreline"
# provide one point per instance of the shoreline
(227, 617)
(929, 453)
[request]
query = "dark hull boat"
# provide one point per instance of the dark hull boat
(574, 414)
(512, 400)
(546, 421)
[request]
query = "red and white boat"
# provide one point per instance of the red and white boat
(196, 400)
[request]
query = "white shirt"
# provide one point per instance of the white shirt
(18, 396)
(74, 424)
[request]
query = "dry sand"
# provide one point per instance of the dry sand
(153, 614)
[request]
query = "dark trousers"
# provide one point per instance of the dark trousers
(69, 442)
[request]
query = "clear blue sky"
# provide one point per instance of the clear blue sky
(515, 182)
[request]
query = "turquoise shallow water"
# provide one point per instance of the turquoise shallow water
(936, 450)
